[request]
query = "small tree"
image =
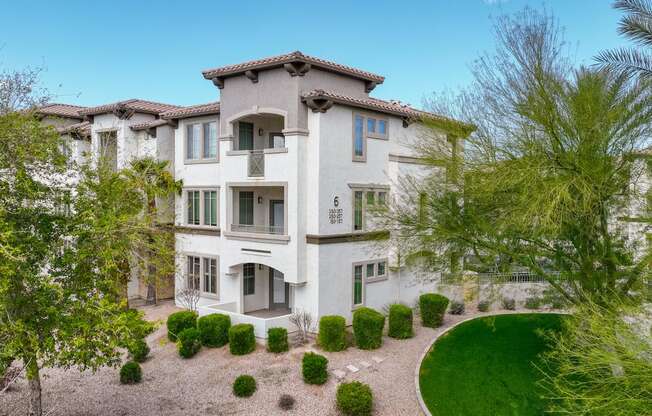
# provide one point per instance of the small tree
(302, 319)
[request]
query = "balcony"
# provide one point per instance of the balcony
(257, 212)
(256, 163)
(258, 229)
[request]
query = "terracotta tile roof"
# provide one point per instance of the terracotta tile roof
(193, 111)
(140, 106)
(82, 129)
(390, 107)
(61, 110)
(148, 124)
(297, 56)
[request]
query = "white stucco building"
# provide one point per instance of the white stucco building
(278, 176)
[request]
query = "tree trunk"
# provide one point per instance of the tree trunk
(34, 381)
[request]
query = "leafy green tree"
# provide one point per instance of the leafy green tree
(549, 168)
(601, 363)
(637, 26)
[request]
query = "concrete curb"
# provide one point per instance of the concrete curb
(424, 409)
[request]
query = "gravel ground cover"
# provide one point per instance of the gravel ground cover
(203, 384)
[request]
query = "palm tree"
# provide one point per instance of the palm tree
(637, 26)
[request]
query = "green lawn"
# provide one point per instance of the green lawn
(485, 367)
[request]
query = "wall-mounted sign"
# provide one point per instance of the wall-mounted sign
(336, 215)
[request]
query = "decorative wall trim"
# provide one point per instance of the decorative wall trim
(216, 232)
(407, 159)
(346, 238)
(368, 186)
(266, 238)
(295, 131)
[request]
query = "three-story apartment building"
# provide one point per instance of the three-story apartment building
(279, 178)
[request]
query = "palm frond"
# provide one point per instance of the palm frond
(629, 61)
(637, 28)
(642, 8)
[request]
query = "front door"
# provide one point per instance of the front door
(279, 291)
(276, 216)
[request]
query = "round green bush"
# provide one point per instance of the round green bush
(483, 306)
(244, 386)
(138, 351)
(368, 328)
(354, 399)
(277, 340)
(400, 322)
(214, 330)
(241, 339)
(509, 304)
(433, 307)
(189, 342)
(456, 308)
(179, 321)
(314, 368)
(533, 303)
(130, 373)
(332, 333)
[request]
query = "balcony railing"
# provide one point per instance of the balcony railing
(258, 229)
(256, 163)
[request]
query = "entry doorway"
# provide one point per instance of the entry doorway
(279, 291)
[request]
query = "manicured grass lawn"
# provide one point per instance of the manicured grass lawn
(484, 367)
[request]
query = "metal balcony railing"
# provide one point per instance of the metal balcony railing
(256, 163)
(258, 229)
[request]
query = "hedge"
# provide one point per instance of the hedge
(456, 308)
(179, 321)
(130, 373)
(241, 339)
(433, 307)
(244, 386)
(354, 399)
(277, 340)
(314, 368)
(400, 322)
(214, 330)
(138, 351)
(368, 328)
(189, 342)
(332, 333)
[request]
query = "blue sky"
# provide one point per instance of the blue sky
(98, 52)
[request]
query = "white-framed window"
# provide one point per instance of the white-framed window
(364, 126)
(202, 273)
(202, 207)
(358, 285)
(365, 272)
(201, 142)
(363, 201)
(248, 279)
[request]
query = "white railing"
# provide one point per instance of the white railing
(258, 229)
(500, 277)
(261, 325)
(256, 163)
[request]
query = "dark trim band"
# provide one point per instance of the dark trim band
(346, 238)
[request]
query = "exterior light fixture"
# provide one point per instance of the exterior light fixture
(260, 199)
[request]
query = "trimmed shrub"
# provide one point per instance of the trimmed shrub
(241, 339)
(179, 321)
(277, 340)
(368, 328)
(214, 329)
(457, 308)
(509, 304)
(332, 333)
(130, 373)
(314, 368)
(189, 342)
(400, 322)
(533, 303)
(432, 306)
(244, 386)
(138, 351)
(354, 399)
(484, 305)
(286, 402)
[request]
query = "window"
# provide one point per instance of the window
(371, 270)
(248, 279)
(381, 268)
(357, 285)
(245, 136)
(202, 274)
(210, 208)
(366, 126)
(193, 207)
(108, 147)
(210, 275)
(276, 141)
(201, 141)
(201, 206)
(362, 201)
(246, 207)
(194, 272)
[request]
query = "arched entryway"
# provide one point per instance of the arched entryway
(264, 293)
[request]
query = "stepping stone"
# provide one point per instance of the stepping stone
(352, 368)
(377, 360)
(365, 364)
(339, 374)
